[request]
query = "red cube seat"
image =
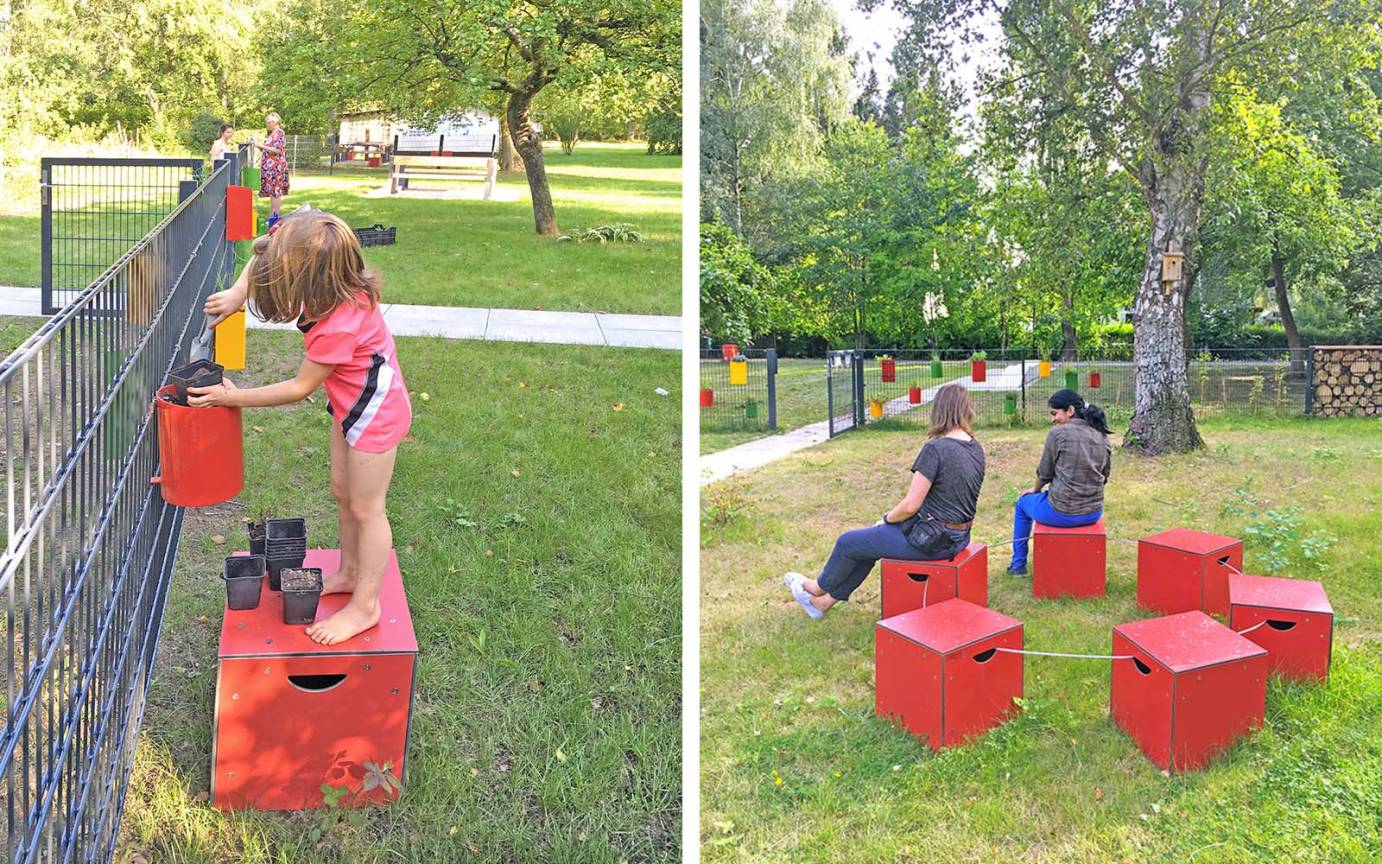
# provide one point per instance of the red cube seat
(1291, 618)
(909, 585)
(1069, 562)
(1180, 570)
(937, 673)
(1192, 687)
(292, 715)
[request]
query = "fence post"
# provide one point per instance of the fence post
(1024, 384)
(772, 388)
(857, 386)
(1309, 380)
(830, 393)
(45, 194)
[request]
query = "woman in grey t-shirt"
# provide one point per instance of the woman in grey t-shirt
(930, 523)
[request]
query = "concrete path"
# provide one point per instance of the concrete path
(461, 322)
(761, 451)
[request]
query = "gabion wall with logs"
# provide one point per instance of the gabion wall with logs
(1347, 380)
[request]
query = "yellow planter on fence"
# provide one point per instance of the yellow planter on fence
(1044, 369)
(230, 341)
(738, 372)
(876, 408)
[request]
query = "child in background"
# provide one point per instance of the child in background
(310, 271)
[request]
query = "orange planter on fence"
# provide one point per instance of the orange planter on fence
(239, 213)
(707, 397)
(200, 453)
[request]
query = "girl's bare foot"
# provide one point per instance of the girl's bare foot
(353, 619)
(340, 582)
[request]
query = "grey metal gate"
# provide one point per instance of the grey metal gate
(844, 371)
(89, 543)
(94, 210)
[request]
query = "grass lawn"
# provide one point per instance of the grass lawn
(795, 767)
(484, 253)
(802, 399)
(538, 533)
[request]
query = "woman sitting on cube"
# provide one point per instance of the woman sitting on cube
(1075, 463)
(930, 523)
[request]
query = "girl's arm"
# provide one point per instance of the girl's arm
(223, 304)
(1046, 468)
(310, 376)
(911, 502)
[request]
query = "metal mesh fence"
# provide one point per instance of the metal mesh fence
(738, 394)
(93, 210)
(89, 543)
(1009, 387)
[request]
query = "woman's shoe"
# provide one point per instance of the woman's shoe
(801, 595)
(1017, 571)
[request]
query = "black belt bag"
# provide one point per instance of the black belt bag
(933, 540)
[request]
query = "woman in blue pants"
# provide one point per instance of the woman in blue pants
(1075, 463)
(930, 523)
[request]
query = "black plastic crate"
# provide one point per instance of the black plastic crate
(376, 235)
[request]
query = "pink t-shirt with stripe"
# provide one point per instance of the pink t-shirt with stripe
(365, 391)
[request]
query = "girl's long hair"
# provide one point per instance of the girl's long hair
(310, 265)
(951, 409)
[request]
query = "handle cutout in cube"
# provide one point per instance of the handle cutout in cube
(1283, 626)
(316, 683)
(919, 577)
(1142, 667)
(985, 656)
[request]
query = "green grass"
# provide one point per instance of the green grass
(783, 697)
(801, 395)
(547, 715)
(485, 253)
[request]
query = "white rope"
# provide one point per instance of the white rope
(1234, 569)
(1074, 656)
(1252, 628)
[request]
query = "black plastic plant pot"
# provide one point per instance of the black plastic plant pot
(284, 537)
(244, 577)
(202, 373)
(257, 535)
(302, 588)
(278, 564)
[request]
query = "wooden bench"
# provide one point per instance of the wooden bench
(448, 164)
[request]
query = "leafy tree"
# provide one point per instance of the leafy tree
(1140, 77)
(867, 105)
(736, 291)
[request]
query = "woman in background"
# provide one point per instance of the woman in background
(221, 146)
(273, 168)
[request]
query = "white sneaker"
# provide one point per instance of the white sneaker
(801, 595)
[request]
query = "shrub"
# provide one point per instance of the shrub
(202, 131)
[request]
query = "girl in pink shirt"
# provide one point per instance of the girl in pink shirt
(309, 270)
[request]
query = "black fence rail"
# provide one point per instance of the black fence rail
(93, 210)
(738, 394)
(89, 542)
(1011, 387)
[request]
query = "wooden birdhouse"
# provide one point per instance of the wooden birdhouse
(1170, 266)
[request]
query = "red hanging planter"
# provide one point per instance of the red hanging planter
(707, 397)
(978, 371)
(239, 213)
(914, 396)
(888, 366)
(729, 351)
(1095, 379)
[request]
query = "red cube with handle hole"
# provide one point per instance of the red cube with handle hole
(1069, 562)
(1181, 569)
(938, 674)
(1191, 689)
(909, 585)
(292, 715)
(1291, 618)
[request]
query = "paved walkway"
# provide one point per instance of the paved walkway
(762, 451)
(462, 322)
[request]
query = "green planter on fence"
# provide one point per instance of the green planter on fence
(936, 370)
(751, 409)
(1072, 379)
(1009, 403)
(249, 176)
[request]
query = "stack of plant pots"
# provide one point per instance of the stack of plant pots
(285, 546)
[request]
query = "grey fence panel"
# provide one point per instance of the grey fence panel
(841, 391)
(93, 211)
(735, 406)
(89, 543)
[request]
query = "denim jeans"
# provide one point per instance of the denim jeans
(1035, 507)
(857, 551)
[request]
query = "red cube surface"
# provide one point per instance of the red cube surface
(1069, 562)
(292, 715)
(1192, 688)
(1180, 570)
(239, 213)
(936, 671)
(1291, 618)
(909, 585)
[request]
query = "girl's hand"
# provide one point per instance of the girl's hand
(223, 304)
(216, 394)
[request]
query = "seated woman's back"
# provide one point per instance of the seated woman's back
(1076, 461)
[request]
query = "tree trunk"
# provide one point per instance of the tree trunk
(1163, 421)
(508, 155)
(1067, 326)
(529, 147)
(1283, 305)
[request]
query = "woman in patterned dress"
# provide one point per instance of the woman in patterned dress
(273, 167)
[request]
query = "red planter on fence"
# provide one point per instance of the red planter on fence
(729, 351)
(707, 397)
(978, 371)
(914, 395)
(239, 213)
(887, 367)
(201, 453)
(1095, 379)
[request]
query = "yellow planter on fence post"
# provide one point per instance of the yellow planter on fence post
(738, 372)
(230, 341)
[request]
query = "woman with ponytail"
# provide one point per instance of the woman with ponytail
(1075, 463)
